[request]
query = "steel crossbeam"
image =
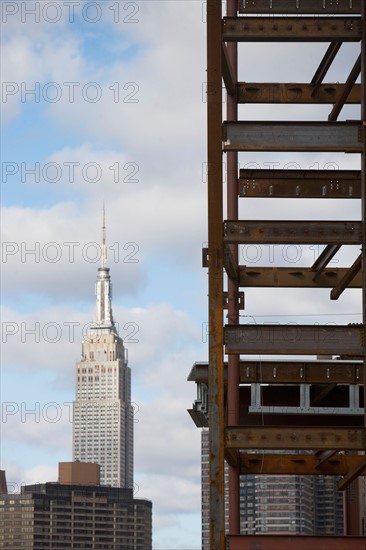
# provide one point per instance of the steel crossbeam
(292, 29)
(293, 339)
(341, 137)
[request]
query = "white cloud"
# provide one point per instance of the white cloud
(16, 475)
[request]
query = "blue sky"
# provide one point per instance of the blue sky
(122, 123)
(147, 63)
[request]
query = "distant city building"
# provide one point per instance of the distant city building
(276, 505)
(279, 504)
(3, 485)
(362, 481)
(205, 490)
(102, 411)
(70, 514)
(329, 506)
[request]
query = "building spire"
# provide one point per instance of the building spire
(104, 249)
(104, 317)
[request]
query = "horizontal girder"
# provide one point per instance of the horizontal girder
(296, 277)
(292, 232)
(310, 184)
(300, 437)
(289, 372)
(292, 136)
(294, 339)
(299, 7)
(292, 29)
(294, 93)
(295, 464)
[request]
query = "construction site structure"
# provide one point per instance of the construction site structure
(302, 413)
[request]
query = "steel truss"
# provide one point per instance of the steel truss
(239, 421)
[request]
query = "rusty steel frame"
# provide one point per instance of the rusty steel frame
(321, 21)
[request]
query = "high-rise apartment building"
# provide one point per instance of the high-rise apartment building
(102, 411)
(278, 504)
(75, 513)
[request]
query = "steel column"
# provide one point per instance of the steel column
(233, 307)
(215, 276)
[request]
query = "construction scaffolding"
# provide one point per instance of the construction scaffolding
(258, 411)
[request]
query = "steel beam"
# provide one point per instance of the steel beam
(352, 474)
(288, 542)
(289, 411)
(295, 464)
(324, 66)
(228, 73)
(289, 372)
(294, 93)
(299, 7)
(231, 264)
(292, 29)
(347, 279)
(293, 136)
(310, 184)
(292, 232)
(296, 277)
(300, 372)
(294, 438)
(347, 88)
(324, 258)
(295, 340)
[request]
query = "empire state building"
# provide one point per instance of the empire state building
(102, 410)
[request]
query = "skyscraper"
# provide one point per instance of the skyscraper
(102, 410)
